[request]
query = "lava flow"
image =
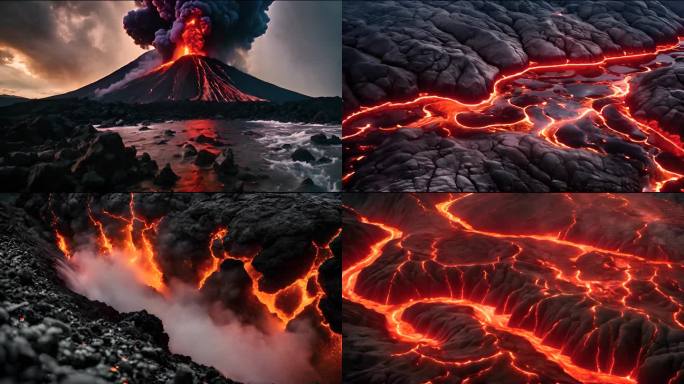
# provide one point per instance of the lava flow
(491, 288)
(570, 105)
(132, 239)
(286, 303)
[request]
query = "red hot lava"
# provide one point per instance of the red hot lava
(492, 288)
(529, 101)
(193, 36)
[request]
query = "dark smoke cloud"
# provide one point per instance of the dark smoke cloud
(232, 25)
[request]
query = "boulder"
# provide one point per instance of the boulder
(303, 155)
(166, 178)
(189, 150)
(205, 158)
(225, 163)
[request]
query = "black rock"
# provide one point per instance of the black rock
(46, 177)
(169, 132)
(189, 150)
(304, 155)
(184, 376)
(207, 140)
(144, 128)
(66, 154)
(166, 177)
(322, 139)
(309, 186)
(225, 163)
(205, 158)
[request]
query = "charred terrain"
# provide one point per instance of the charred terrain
(510, 288)
(258, 273)
(520, 96)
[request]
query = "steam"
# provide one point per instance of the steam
(227, 28)
(241, 352)
(148, 63)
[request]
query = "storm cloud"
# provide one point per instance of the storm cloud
(56, 46)
(65, 43)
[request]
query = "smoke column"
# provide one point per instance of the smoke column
(222, 29)
(241, 352)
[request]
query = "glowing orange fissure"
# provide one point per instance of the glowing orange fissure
(487, 314)
(306, 288)
(142, 260)
(656, 137)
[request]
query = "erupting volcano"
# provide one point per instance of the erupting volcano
(279, 288)
(492, 288)
(192, 44)
(513, 96)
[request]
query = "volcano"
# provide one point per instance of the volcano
(189, 78)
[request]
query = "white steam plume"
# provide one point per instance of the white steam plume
(148, 63)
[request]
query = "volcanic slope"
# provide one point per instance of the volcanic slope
(189, 78)
(492, 288)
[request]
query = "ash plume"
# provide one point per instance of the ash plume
(209, 335)
(220, 29)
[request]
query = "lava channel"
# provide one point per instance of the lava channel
(131, 239)
(578, 105)
(492, 288)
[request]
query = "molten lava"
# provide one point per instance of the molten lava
(133, 241)
(286, 303)
(528, 101)
(560, 288)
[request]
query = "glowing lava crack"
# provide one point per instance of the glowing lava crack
(466, 297)
(571, 106)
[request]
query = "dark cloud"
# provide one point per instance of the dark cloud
(64, 42)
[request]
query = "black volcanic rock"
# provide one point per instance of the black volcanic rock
(166, 177)
(225, 163)
(189, 150)
(414, 160)
(205, 158)
(322, 139)
(396, 49)
(659, 95)
(303, 155)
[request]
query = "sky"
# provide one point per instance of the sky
(51, 47)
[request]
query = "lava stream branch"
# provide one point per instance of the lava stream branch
(421, 281)
(556, 102)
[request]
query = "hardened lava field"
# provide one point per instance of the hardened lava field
(491, 288)
(513, 96)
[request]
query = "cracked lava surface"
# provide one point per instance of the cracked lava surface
(574, 114)
(272, 282)
(491, 288)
